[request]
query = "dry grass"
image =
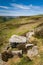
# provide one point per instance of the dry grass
(26, 26)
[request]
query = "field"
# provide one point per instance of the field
(20, 26)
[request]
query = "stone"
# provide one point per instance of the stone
(32, 52)
(29, 35)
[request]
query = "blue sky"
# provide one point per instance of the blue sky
(21, 7)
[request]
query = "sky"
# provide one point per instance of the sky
(21, 7)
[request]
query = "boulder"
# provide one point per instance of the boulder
(17, 39)
(16, 52)
(28, 46)
(29, 35)
(32, 52)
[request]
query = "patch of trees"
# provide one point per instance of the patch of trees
(5, 18)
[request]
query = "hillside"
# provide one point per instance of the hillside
(20, 26)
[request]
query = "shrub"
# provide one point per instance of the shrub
(20, 55)
(5, 56)
(22, 47)
(39, 32)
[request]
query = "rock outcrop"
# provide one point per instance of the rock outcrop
(32, 52)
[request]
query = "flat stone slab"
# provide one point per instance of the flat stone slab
(17, 39)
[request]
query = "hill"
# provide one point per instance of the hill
(20, 26)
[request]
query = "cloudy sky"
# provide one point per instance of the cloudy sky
(21, 7)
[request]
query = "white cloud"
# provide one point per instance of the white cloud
(5, 7)
(20, 6)
(25, 7)
(21, 10)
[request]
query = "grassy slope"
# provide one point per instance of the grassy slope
(20, 26)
